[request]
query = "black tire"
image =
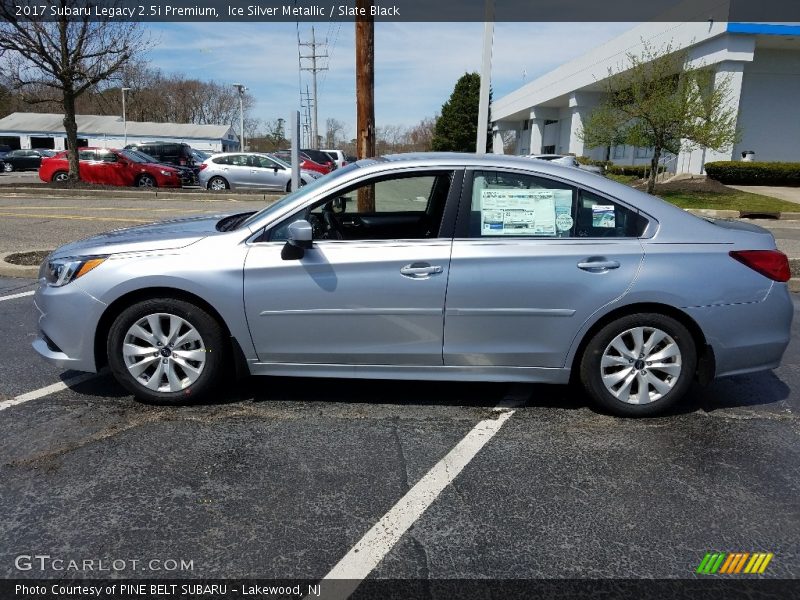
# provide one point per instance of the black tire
(217, 179)
(213, 344)
(146, 181)
(59, 176)
(591, 370)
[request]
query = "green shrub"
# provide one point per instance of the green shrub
(754, 173)
(639, 171)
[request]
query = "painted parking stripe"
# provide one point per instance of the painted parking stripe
(46, 391)
(14, 296)
(362, 558)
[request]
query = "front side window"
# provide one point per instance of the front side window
(505, 205)
(405, 207)
(86, 155)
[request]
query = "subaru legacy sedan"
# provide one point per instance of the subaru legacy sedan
(427, 267)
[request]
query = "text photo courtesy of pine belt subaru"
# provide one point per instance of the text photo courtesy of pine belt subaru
(427, 267)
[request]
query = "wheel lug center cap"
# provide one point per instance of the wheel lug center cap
(166, 352)
(638, 365)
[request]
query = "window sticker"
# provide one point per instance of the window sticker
(603, 215)
(523, 212)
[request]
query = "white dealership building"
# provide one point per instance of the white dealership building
(761, 61)
(46, 130)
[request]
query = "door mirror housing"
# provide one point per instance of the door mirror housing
(300, 239)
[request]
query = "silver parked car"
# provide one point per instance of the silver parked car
(252, 170)
(430, 266)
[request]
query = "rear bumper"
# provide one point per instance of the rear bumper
(748, 337)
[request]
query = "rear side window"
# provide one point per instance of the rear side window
(517, 205)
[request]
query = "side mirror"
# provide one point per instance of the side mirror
(300, 239)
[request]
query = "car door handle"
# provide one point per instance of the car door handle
(420, 270)
(598, 265)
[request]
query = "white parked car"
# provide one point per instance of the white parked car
(337, 156)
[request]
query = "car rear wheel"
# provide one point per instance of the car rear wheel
(59, 176)
(217, 184)
(639, 365)
(8, 167)
(166, 351)
(146, 181)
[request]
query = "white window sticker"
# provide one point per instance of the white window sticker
(522, 212)
(603, 215)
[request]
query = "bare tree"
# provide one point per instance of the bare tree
(67, 56)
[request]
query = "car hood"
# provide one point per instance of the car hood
(164, 235)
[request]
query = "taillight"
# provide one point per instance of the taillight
(770, 263)
(203, 166)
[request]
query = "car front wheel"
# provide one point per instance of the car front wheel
(639, 365)
(8, 167)
(146, 181)
(166, 351)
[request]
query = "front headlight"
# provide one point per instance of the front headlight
(60, 271)
(166, 173)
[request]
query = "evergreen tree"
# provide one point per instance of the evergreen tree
(457, 126)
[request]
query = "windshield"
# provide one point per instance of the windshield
(286, 200)
(137, 157)
(280, 161)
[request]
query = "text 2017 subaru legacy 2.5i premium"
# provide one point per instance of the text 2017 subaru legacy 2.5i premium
(427, 266)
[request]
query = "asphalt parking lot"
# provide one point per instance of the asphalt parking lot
(281, 478)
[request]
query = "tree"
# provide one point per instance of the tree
(67, 56)
(662, 102)
(457, 126)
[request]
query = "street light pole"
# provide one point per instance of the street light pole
(124, 116)
(242, 89)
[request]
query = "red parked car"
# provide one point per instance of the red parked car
(305, 161)
(110, 167)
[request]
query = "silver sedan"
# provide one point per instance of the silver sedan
(433, 267)
(250, 170)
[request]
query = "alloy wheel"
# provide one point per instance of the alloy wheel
(164, 352)
(641, 365)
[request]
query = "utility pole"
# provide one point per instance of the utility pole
(242, 90)
(124, 116)
(305, 106)
(314, 70)
(365, 96)
(486, 77)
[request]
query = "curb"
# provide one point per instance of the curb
(738, 214)
(9, 270)
(134, 194)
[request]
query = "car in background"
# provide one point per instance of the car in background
(188, 175)
(200, 157)
(320, 157)
(567, 160)
(306, 163)
(249, 170)
(171, 153)
(337, 156)
(25, 160)
(110, 167)
(426, 285)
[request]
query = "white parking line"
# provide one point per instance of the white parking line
(362, 558)
(46, 391)
(20, 295)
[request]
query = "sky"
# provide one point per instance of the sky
(416, 64)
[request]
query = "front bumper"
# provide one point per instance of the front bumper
(68, 319)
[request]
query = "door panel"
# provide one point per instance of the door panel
(347, 302)
(521, 302)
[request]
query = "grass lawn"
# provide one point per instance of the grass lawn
(735, 200)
